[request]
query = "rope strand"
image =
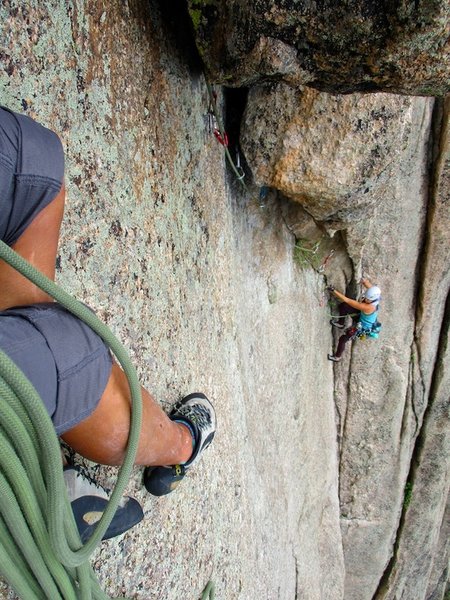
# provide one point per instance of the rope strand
(41, 555)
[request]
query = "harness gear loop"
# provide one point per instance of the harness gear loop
(359, 332)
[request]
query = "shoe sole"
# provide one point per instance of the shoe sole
(333, 359)
(88, 510)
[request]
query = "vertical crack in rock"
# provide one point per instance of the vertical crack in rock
(386, 590)
(411, 394)
(296, 578)
(428, 402)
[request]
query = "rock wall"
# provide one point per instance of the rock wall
(373, 171)
(199, 283)
(419, 568)
(339, 47)
(302, 493)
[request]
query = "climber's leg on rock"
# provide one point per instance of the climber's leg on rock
(344, 310)
(346, 337)
(102, 437)
(32, 198)
(95, 418)
(31, 210)
(38, 245)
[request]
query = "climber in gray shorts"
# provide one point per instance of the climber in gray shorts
(31, 177)
(84, 390)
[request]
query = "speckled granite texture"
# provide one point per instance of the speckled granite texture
(199, 284)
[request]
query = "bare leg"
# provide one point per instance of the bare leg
(102, 437)
(38, 244)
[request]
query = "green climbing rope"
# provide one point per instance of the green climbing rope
(209, 593)
(41, 555)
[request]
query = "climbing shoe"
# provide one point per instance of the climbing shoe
(337, 323)
(89, 501)
(197, 413)
(334, 358)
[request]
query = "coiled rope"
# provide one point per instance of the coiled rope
(41, 555)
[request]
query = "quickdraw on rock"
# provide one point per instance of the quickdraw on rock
(221, 139)
(325, 262)
(216, 127)
(219, 132)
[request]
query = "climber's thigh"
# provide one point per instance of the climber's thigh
(38, 244)
(66, 361)
(31, 202)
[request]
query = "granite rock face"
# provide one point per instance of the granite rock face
(332, 154)
(196, 280)
(390, 221)
(337, 47)
(420, 567)
(211, 288)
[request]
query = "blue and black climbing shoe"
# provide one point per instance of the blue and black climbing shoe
(337, 323)
(89, 501)
(197, 413)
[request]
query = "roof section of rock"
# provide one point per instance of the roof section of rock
(343, 47)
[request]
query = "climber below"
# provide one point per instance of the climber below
(365, 318)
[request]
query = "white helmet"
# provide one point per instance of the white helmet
(373, 294)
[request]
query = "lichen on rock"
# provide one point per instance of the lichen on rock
(336, 47)
(302, 492)
(330, 153)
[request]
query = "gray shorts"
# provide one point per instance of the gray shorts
(31, 172)
(68, 364)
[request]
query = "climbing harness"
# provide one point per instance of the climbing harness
(366, 332)
(41, 555)
(359, 332)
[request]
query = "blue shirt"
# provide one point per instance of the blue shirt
(368, 320)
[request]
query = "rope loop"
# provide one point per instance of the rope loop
(41, 555)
